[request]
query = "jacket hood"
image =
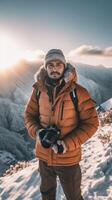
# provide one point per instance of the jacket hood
(69, 75)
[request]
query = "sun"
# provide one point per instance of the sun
(10, 53)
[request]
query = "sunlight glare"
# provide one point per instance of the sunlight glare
(9, 51)
(34, 56)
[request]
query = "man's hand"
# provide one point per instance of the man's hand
(40, 135)
(59, 147)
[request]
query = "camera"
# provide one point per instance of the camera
(49, 136)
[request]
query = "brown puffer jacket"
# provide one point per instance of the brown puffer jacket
(41, 113)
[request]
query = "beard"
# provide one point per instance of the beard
(54, 81)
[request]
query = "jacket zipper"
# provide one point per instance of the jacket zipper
(62, 110)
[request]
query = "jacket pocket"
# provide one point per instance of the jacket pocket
(62, 109)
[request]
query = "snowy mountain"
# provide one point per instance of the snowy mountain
(15, 89)
(96, 168)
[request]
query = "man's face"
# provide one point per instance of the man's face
(55, 69)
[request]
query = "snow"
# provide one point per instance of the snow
(24, 184)
(97, 169)
(96, 166)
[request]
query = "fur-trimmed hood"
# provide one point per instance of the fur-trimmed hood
(69, 75)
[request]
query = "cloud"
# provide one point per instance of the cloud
(88, 50)
(108, 51)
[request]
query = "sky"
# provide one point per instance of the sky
(81, 28)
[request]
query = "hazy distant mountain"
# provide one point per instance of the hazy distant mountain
(19, 77)
(97, 79)
(99, 74)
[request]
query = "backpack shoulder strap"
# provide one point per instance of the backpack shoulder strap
(37, 94)
(74, 98)
(37, 91)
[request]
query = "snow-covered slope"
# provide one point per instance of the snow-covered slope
(14, 139)
(96, 168)
(24, 185)
(106, 106)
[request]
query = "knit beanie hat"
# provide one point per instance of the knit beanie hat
(54, 54)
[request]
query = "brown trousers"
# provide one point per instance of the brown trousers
(70, 179)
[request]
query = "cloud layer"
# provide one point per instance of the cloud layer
(91, 51)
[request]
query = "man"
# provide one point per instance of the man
(59, 125)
